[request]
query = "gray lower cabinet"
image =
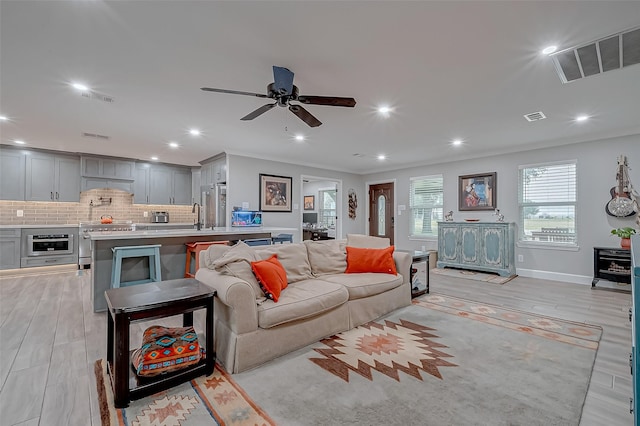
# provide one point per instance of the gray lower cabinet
(162, 185)
(10, 248)
(482, 246)
(12, 169)
(52, 177)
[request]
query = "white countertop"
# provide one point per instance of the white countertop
(162, 233)
(57, 225)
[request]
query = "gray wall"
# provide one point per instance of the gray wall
(596, 174)
(243, 185)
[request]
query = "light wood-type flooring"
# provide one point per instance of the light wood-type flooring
(50, 338)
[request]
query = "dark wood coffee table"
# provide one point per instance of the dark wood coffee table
(145, 302)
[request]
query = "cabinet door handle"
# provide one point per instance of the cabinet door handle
(52, 195)
(57, 196)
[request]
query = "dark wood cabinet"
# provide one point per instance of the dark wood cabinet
(315, 235)
(611, 264)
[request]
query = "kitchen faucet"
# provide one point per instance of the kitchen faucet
(193, 210)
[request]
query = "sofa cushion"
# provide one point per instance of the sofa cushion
(367, 284)
(237, 262)
(327, 257)
(271, 276)
(213, 252)
(293, 258)
(361, 260)
(304, 299)
(366, 241)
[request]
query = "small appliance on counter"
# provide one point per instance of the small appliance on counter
(159, 217)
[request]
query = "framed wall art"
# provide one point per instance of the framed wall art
(477, 192)
(275, 193)
(309, 202)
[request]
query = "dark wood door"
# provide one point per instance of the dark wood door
(381, 218)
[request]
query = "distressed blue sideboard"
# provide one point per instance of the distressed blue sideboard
(635, 324)
(480, 246)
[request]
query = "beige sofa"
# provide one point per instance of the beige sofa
(319, 301)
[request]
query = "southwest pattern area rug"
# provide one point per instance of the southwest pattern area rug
(212, 400)
(472, 275)
(441, 361)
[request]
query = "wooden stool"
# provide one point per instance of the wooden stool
(195, 249)
(150, 251)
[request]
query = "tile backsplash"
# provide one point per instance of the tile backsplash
(90, 207)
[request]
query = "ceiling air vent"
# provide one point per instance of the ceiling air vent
(95, 136)
(535, 116)
(609, 53)
(97, 96)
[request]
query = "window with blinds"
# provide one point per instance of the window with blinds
(327, 208)
(547, 203)
(425, 205)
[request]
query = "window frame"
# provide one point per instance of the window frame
(412, 229)
(558, 245)
(321, 209)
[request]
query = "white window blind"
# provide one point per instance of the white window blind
(328, 207)
(426, 205)
(547, 203)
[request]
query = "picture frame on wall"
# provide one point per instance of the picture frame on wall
(309, 202)
(275, 193)
(477, 192)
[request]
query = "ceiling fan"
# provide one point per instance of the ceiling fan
(283, 91)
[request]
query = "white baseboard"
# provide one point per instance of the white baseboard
(555, 276)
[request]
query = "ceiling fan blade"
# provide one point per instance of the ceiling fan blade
(283, 80)
(258, 112)
(327, 100)
(233, 92)
(305, 115)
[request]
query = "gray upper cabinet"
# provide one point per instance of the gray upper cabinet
(12, 174)
(214, 171)
(52, 177)
(160, 184)
(108, 168)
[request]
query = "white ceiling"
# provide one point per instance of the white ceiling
(450, 69)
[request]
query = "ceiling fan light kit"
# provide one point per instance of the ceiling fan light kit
(283, 91)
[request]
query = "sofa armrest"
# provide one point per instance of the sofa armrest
(237, 308)
(403, 265)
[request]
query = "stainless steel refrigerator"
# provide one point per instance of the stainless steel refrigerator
(214, 205)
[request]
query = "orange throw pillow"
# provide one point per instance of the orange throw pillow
(361, 260)
(271, 276)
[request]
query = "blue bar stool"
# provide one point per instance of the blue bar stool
(258, 242)
(282, 238)
(150, 251)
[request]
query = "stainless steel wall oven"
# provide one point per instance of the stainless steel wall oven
(49, 246)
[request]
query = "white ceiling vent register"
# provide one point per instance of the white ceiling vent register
(535, 116)
(609, 53)
(97, 96)
(95, 136)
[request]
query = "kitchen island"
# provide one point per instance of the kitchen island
(173, 253)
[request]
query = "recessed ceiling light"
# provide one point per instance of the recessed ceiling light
(194, 132)
(382, 157)
(154, 158)
(582, 118)
(80, 86)
(19, 142)
(300, 138)
(384, 110)
(3, 118)
(173, 144)
(549, 50)
(456, 142)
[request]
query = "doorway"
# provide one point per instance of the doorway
(321, 206)
(381, 208)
